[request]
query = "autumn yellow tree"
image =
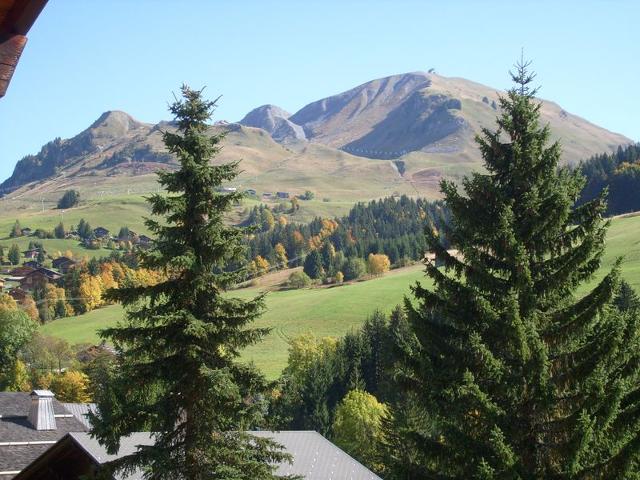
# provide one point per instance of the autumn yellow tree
(378, 263)
(7, 302)
(117, 271)
(90, 291)
(262, 265)
(106, 276)
(30, 308)
(55, 299)
(19, 378)
(268, 220)
(71, 386)
(298, 239)
(281, 256)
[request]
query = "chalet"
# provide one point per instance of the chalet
(63, 264)
(31, 253)
(29, 425)
(38, 278)
(21, 272)
(32, 263)
(132, 236)
(144, 241)
(77, 455)
(282, 194)
(101, 232)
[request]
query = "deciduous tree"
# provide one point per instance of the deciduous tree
(281, 256)
(378, 263)
(71, 386)
(357, 427)
(16, 330)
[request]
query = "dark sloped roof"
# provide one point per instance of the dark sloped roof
(61, 261)
(17, 436)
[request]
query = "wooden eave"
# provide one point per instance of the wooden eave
(16, 18)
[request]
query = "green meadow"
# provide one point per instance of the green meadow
(321, 311)
(338, 310)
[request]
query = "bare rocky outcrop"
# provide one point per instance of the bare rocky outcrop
(276, 122)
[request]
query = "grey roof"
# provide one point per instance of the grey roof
(314, 457)
(17, 435)
(80, 411)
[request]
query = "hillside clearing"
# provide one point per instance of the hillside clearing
(338, 310)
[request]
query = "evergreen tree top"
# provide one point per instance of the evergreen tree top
(517, 375)
(178, 373)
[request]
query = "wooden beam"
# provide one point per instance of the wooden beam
(22, 16)
(11, 47)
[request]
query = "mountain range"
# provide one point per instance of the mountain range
(398, 134)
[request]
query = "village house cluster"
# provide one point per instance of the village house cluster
(19, 281)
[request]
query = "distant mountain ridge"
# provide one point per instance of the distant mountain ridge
(422, 124)
(389, 117)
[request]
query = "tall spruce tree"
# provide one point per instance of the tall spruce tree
(518, 376)
(177, 374)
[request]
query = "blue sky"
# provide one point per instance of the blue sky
(85, 57)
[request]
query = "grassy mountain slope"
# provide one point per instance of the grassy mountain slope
(399, 134)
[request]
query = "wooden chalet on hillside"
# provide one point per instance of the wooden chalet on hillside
(63, 264)
(144, 241)
(39, 278)
(16, 18)
(31, 253)
(22, 271)
(101, 232)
